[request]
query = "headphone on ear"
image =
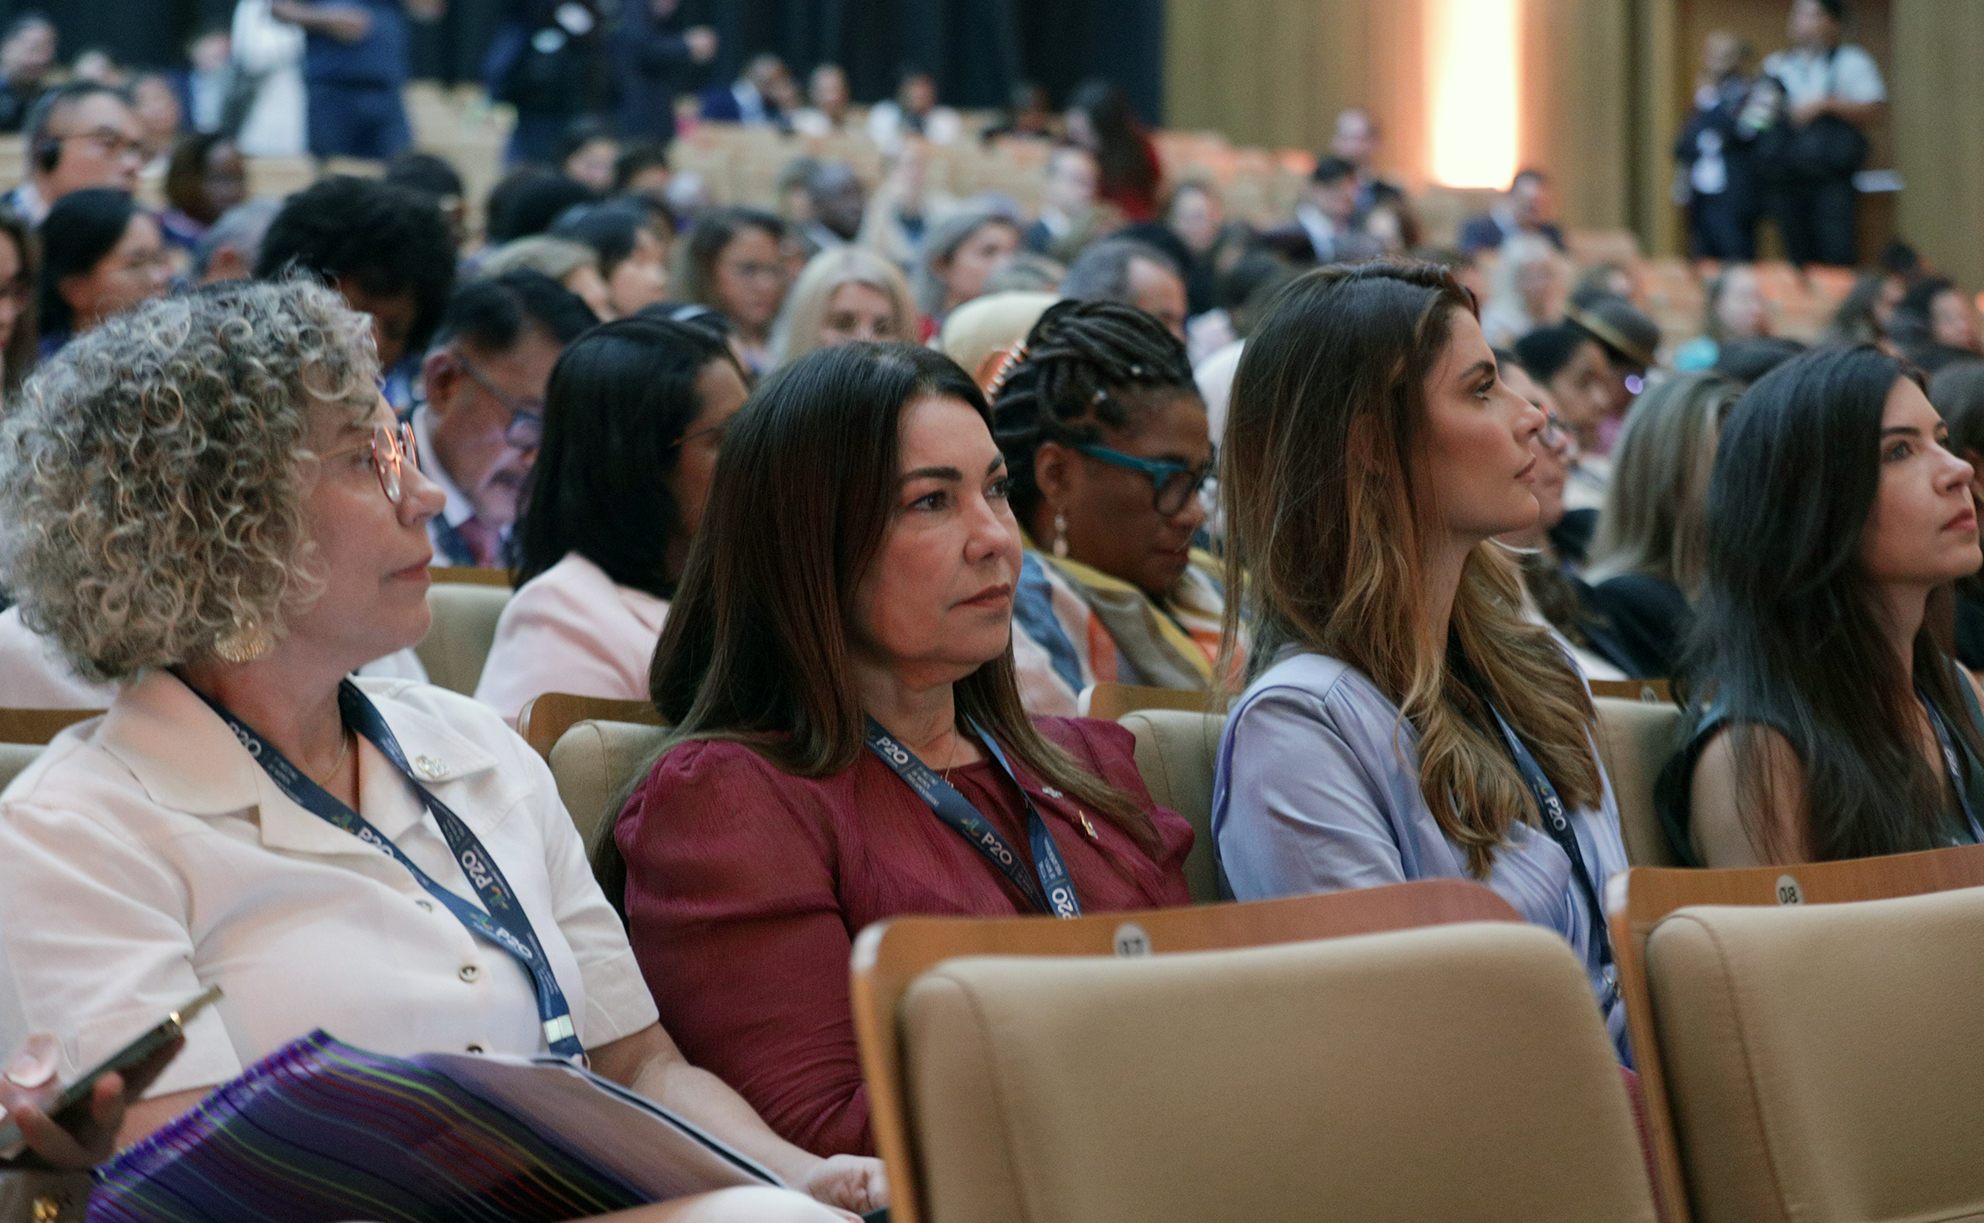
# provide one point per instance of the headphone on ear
(48, 154)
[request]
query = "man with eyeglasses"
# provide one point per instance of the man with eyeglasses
(483, 416)
(81, 134)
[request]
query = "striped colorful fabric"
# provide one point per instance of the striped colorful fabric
(319, 1132)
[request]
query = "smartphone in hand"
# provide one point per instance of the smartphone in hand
(63, 1109)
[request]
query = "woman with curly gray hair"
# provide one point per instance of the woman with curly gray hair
(207, 501)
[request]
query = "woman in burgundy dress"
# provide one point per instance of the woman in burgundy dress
(849, 743)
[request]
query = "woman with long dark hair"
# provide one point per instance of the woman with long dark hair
(730, 262)
(20, 328)
(1403, 721)
(633, 417)
(1102, 120)
(838, 669)
(1827, 722)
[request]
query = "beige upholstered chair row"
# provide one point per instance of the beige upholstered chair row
(1177, 752)
(1826, 1062)
(1635, 739)
(544, 719)
(1810, 1038)
(595, 764)
(1051, 1081)
(465, 614)
(14, 760)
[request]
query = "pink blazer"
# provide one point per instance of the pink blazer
(571, 629)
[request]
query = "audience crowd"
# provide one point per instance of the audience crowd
(863, 491)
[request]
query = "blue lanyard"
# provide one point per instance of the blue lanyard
(1951, 762)
(505, 924)
(1054, 891)
(1557, 823)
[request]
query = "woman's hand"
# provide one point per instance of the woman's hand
(29, 1086)
(851, 1182)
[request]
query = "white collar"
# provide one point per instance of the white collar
(1321, 230)
(188, 760)
(28, 202)
(458, 509)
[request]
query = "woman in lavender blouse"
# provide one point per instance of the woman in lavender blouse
(1403, 720)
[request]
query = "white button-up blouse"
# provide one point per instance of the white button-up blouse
(146, 856)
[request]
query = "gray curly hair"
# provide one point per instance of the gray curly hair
(152, 474)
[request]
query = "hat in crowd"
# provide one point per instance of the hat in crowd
(981, 331)
(1616, 323)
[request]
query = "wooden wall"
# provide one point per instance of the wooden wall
(1605, 85)
(1576, 106)
(1938, 115)
(1276, 72)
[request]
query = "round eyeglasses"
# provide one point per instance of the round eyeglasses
(392, 451)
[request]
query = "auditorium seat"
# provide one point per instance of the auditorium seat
(1826, 1062)
(464, 628)
(1111, 701)
(1177, 752)
(14, 760)
(1454, 1072)
(1639, 900)
(544, 719)
(596, 764)
(38, 726)
(1635, 740)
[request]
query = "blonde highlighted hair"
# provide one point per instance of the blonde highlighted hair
(1655, 520)
(1327, 535)
(797, 331)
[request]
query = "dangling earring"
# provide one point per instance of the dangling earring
(245, 642)
(1060, 534)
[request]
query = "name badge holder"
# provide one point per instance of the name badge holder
(1053, 892)
(1557, 823)
(505, 922)
(1952, 762)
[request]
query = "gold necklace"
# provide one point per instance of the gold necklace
(952, 752)
(344, 745)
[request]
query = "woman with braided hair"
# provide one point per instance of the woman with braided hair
(1105, 435)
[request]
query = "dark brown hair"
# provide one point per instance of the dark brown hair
(25, 346)
(1324, 531)
(755, 649)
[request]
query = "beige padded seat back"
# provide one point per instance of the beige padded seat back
(14, 760)
(464, 627)
(1448, 1073)
(1177, 753)
(594, 763)
(1826, 1062)
(1635, 740)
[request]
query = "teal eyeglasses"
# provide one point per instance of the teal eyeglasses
(1172, 484)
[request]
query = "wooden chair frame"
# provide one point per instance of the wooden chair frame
(1637, 900)
(38, 726)
(889, 955)
(1652, 691)
(469, 575)
(544, 719)
(1111, 701)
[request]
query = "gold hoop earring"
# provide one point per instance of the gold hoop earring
(1060, 534)
(245, 642)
